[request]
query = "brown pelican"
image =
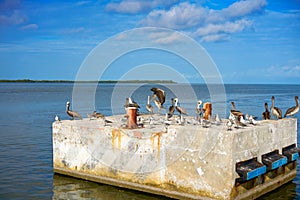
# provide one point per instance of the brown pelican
(71, 113)
(149, 107)
(171, 109)
(96, 115)
(275, 110)
(235, 112)
(130, 103)
(178, 108)
(199, 110)
(293, 110)
(266, 114)
(161, 97)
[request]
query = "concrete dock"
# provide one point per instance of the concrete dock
(187, 161)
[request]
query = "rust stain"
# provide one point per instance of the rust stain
(114, 134)
(152, 138)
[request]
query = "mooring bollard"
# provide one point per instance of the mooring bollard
(208, 109)
(131, 120)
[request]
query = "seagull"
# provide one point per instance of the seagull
(266, 114)
(243, 121)
(71, 113)
(178, 108)
(199, 110)
(235, 112)
(229, 125)
(275, 110)
(293, 110)
(149, 107)
(252, 120)
(57, 118)
(171, 109)
(159, 97)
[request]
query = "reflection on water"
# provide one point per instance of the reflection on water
(65, 187)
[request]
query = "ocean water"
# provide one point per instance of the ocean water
(28, 110)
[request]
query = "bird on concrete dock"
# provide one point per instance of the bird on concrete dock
(159, 97)
(71, 113)
(130, 103)
(95, 115)
(57, 119)
(293, 110)
(149, 107)
(171, 109)
(266, 115)
(179, 109)
(275, 110)
(235, 112)
(199, 110)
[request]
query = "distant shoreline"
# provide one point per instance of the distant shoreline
(101, 81)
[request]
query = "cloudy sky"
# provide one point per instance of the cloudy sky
(250, 41)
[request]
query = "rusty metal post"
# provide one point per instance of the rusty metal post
(208, 110)
(131, 120)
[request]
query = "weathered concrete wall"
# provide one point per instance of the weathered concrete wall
(181, 161)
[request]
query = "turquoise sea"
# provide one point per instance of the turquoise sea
(27, 113)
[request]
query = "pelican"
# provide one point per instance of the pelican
(266, 114)
(149, 107)
(199, 110)
(71, 113)
(293, 110)
(96, 115)
(275, 110)
(130, 103)
(171, 109)
(178, 108)
(235, 112)
(159, 97)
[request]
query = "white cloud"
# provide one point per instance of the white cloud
(227, 27)
(15, 18)
(137, 6)
(181, 16)
(210, 25)
(29, 27)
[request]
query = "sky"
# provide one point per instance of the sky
(250, 41)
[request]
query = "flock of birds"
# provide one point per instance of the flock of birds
(236, 118)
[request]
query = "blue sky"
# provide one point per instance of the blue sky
(251, 41)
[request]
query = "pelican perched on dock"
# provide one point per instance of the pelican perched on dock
(159, 97)
(95, 115)
(235, 112)
(171, 109)
(293, 110)
(275, 110)
(130, 103)
(71, 113)
(149, 107)
(266, 115)
(178, 108)
(199, 110)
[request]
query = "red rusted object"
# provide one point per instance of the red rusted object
(208, 110)
(131, 120)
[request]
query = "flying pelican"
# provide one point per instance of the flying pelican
(149, 107)
(71, 113)
(275, 110)
(178, 108)
(161, 97)
(293, 110)
(266, 114)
